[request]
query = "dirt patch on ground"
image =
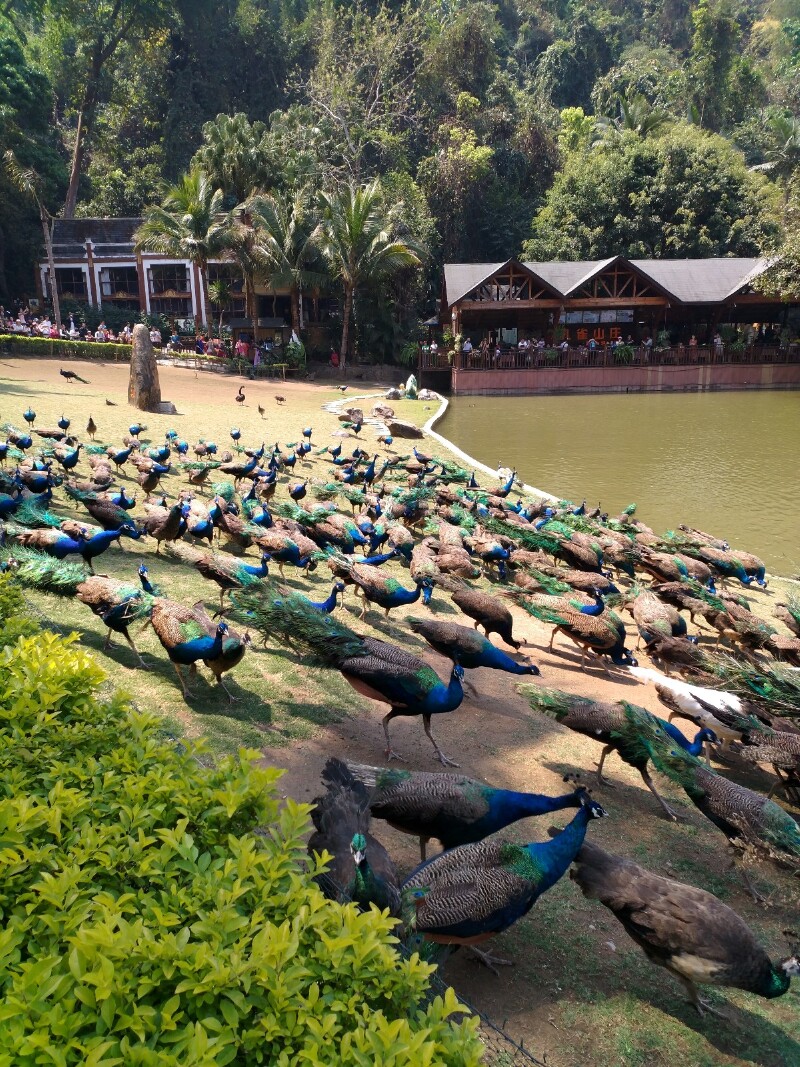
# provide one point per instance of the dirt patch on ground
(579, 991)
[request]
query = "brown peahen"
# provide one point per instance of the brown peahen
(789, 614)
(360, 869)
(691, 933)
(608, 724)
(488, 612)
(164, 524)
(602, 634)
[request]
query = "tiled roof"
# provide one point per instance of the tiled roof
(689, 281)
(100, 231)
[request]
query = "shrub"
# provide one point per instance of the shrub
(145, 924)
(21, 345)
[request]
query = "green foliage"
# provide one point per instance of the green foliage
(683, 193)
(19, 344)
(13, 622)
(144, 921)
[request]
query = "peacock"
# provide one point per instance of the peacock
(360, 868)
(227, 571)
(183, 636)
(104, 511)
(602, 634)
(387, 593)
(468, 894)
(652, 616)
(488, 612)
(691, 933)
(608, 724)
(452, 808)
(464, 645)
(375, 669)
(118, 604)
(749, 820)
(234, 646)
(55, 543)
(283, 548)
(164, 524)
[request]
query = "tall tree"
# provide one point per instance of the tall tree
(358, 246)
(30, 184)
(189, 223)
(285, 238)
(236, 155)
(82, 40)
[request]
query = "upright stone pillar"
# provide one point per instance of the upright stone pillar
(144, 389)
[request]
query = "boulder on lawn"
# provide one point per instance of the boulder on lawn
(427, 394)
(383, 411)
(352, 415)
(393, 394)
(399, 428)
(144, 389)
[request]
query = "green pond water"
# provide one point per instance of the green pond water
(728, 463)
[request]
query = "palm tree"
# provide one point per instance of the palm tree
(220, 293)
(29, 183)
(356, 241)
(636, 115)
(285, 241)
(188, 223)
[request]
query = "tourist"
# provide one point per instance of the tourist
(334, 359)
(199, 346)
(242, 349)
(564, 346)
(540, 344)
(156, 340)
(718, 344)
(693, 341)
(592, 345)
(648, 342)
(434, 348)
(127, 334)
(467, 347)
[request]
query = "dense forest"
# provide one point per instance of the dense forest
(557, 128)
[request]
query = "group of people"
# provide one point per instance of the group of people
(26, 324)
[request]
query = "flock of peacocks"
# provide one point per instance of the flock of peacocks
(338, 507)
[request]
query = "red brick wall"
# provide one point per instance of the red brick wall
(631, 379)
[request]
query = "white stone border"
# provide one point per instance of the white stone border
(334, 406)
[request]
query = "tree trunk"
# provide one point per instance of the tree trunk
(51, 265)
(252, 306)
(348, 309)
(294, 303)
(76, 166)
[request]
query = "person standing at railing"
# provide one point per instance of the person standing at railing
(693, 341)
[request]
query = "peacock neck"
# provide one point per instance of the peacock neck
(777, 983)
(554, 857)
(520, 805)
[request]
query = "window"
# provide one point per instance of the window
(119, 283)
(168, 280)
(225, 272)
(71, 282)
(171, 306)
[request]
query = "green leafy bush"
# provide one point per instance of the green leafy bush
(22, 345)
(144, 923)
(13, 622)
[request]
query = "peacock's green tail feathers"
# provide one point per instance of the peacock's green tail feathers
(518, 860)
(45, 573)
(413, 496)
(544, 614)
(535, 540)
(643, 735)
(792, 604)
(579, 523)
(554, 703)
(95, 449)
(15, 454)
(550, 585)
(630, 510)
(465, 520)
(291, 618)
(35, 515)
(772, 683)
(326, 491)
(298, 514)
(225, 490)
(779, 828)
(558, 527)
(196, 465)
(351, 495)
(452, 472)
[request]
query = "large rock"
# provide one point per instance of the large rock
(144, 389)
(399, 428)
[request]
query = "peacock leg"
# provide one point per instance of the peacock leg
(444, 760)
(136, 652)
(552, 638)
(363, 608)
(489, 960)
(423, 841)
(758, 897)
(699, 1002)
(229, 694)
(477, 623)
(600, 778)
(180, 679)
(648, 781)
(108, 640)
(390, 752)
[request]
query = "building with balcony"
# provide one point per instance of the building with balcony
(96, 263)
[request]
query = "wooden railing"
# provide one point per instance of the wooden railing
(555, 358)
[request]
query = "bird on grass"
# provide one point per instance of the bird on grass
(234, 646)
(29, 416)
(280, 399)
(602, 634)
(227, 571)
(116, 603)
(71, 376)
(360, 869)
(261, 411)
(608, 724)
(691, 933)
(165, 524)
(466, 646)
(750, 821)
(91, 428)
(452, 808)
(104, 511)
(110, 403)
(184, 638)
(136, 428)
(375, 669)
(239, 398)
(387, 593)
(466, 895)
(64, 423)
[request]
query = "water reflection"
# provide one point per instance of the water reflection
(723, 462)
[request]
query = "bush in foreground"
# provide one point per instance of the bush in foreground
(144, 924)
